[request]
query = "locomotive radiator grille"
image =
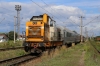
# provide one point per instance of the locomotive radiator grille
(34, 31)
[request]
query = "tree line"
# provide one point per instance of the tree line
(10, 35)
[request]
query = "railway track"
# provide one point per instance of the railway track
(6, 49)
(95, 47)
(18, 60)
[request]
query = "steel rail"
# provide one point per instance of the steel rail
(95, 48)
(18, 60)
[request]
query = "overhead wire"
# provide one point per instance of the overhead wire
(59, 14)
(52, 8)
(46, 10)
(2, 20)
(6, 9)
(74, 22)
(91, 20)
(94, 28)
(7, 14)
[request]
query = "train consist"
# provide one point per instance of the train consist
(43, 33)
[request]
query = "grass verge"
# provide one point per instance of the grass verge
(79, 55)
(10, 44)
(92, 58)
(63, 57)
(11, 54)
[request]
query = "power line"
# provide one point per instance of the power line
(74, 22)
(52, 8)
(94, 28)
(91, 21)
(2, 20)
(7, 14)
(42, 8)
(49, 12)
(58, 13)
(6, 9)
(46, 10)
(5, 18)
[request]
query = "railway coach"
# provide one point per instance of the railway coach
(43, 33)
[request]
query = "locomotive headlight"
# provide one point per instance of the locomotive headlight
(26, 27)
(42, 27)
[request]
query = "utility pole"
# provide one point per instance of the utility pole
(93, 35)
(81, 26)
(18, 9)
(86, 33)
(14, 28)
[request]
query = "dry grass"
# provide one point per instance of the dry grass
(59, 57)
(43, 58)
(10, 44)
(11, 54)
(92, 58)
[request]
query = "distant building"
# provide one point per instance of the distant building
(21, 37)
(3, 38)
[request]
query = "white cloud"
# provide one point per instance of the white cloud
(60, 14)
(85, 3)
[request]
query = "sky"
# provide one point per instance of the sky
(66, 13)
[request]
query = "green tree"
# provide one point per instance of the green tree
(11, 35)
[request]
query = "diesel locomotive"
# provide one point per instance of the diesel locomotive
(43, 33)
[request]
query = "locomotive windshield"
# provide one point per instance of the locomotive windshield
(36, 18)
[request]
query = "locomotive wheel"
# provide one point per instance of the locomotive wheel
(26, 48)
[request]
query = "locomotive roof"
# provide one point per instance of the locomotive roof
(41, 16)
(36, 16)
(66, 29)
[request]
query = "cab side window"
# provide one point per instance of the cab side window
(51, 23)
(69, 34)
